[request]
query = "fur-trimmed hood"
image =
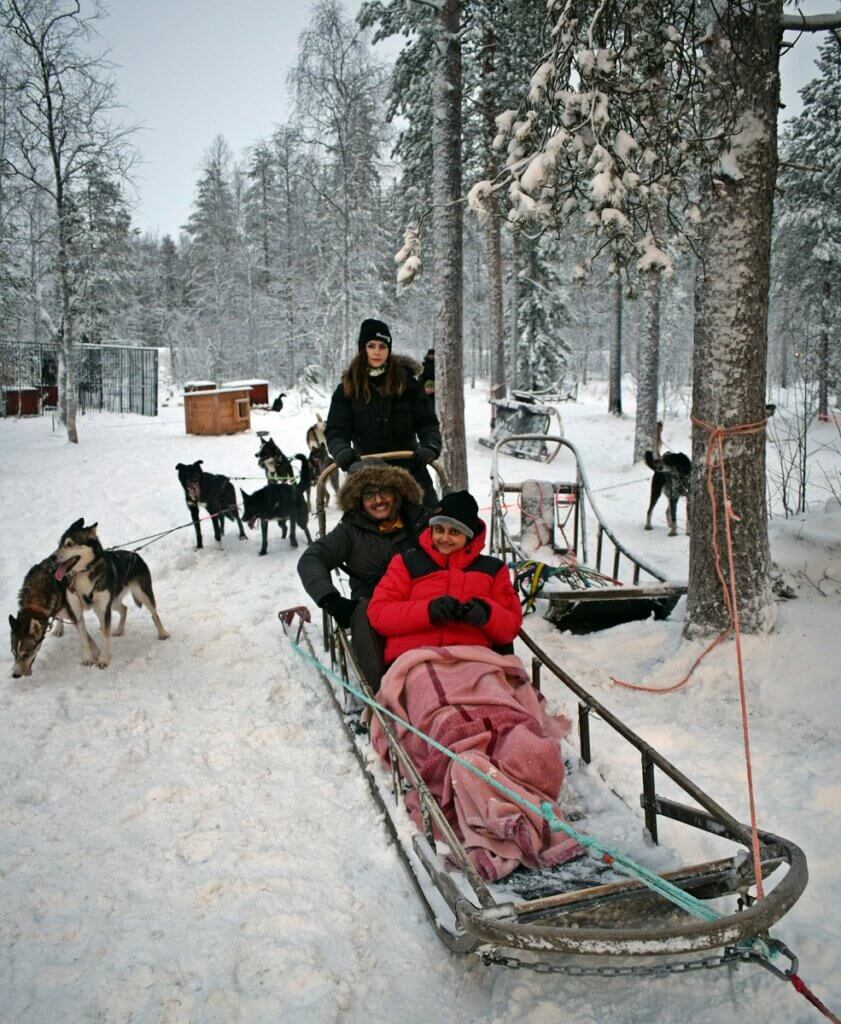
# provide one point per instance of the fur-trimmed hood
(378, 475)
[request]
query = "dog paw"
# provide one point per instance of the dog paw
(163, 635)
(647, 527)
(102, 662)
(118, 632)
(88, 660)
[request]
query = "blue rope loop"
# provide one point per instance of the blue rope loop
(623, 863)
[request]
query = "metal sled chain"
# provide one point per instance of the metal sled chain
(623, 863)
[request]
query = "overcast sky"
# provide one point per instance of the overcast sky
(191, 69)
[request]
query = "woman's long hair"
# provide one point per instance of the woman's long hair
(356, 383)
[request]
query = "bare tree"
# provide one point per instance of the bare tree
(61, 126)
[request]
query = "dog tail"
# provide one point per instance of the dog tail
(306, 475)
(143, 579)
(650, 461)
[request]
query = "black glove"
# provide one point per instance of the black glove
(345, 459)
(340, 608)
(443, 609)
(422, 457)
(475, 612)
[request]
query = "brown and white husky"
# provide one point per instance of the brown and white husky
(43, 600)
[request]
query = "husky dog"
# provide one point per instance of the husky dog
(672, 474)
(274, 463)
(317, 433)
(319, 460)
(101, 579)
(280, 502)
(215, 492)
(43, 599)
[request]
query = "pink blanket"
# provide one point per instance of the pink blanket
(481, 706)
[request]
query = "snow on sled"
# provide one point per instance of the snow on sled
(628, 898)
(551, 548)
(528, 418)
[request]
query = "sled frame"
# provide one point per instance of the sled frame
(556, 925)
(612, 557)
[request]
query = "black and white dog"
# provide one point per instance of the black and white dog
(273, 462)
(672, 474)
(215, 492)
(100, 579)
(43, 600)
(281, 502)
(319, 459)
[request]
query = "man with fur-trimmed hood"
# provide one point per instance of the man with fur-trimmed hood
(383, 516)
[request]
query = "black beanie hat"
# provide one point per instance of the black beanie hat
(371, 329)
(458, 509)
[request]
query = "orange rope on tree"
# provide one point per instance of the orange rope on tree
(714, 456)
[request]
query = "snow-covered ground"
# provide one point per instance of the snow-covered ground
(184, 837)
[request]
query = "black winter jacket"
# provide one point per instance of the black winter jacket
(385, 423)
(356, 545)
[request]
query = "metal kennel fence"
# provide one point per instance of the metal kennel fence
(113, 378)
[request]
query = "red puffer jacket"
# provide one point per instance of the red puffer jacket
(399, 607)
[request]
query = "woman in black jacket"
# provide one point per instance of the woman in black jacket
(380, 407)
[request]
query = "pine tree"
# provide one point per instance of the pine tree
(212, 234)
(542, 314)
(808, 241)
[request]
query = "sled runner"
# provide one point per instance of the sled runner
(563, 550)
(602, 912)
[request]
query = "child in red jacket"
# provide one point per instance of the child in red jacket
(445, 591)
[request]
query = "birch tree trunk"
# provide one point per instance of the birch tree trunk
(447, 230)
(614, 392)
(67, 343)
(731, 306)
(648, 365)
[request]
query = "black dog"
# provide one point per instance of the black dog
(280, 502)
(277, 404)
(215, 492)
(274, 463)
(672, 474)
(319, 459)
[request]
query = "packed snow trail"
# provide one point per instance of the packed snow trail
(184, 836)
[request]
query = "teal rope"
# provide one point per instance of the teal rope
(624, 864)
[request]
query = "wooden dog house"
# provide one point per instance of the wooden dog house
(259, 389)
(22, 401)
(220, 411)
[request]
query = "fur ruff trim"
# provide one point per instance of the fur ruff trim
(350, 496)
